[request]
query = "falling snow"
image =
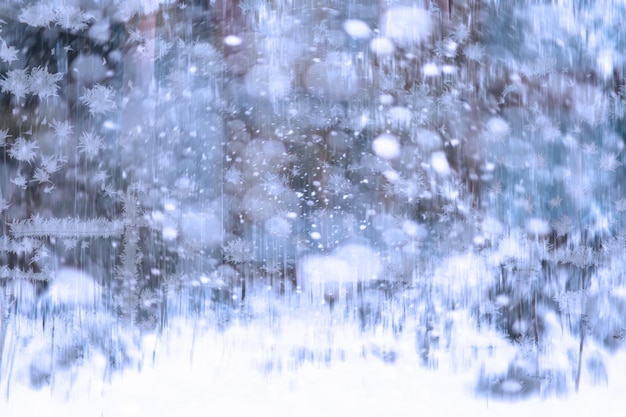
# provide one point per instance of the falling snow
(288, 208)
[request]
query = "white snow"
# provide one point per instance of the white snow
(427, 140)
(386, 99)
(278, 226)
(406, 25)
(605, 63)
(198, 372)
(439, 163)
(537, 227)
(232, 40)
(430, 69)
(267, 81)
(170, 233)
(449, 69)
(202, 229)
(350, 263)
(335, 78)
(386, 146)
(498, 129)
(399, 117)
(357, 29)
(382, 46)
(73, 287)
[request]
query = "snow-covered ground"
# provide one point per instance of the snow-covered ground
(248, 370)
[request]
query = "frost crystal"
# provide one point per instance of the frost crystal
(42, 83)
(37, 226)
(38, 15)
(4, 204)
(562, 226)
(16, 82)
(4, 135)
(8, 53)
(99, 99)
(20, 182)
(609, 162)
(23, 150)
(72, 18)
(238, 251)
(90, 144)
(62, 129)
(474, 52)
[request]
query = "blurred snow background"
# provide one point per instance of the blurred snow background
(337, 206)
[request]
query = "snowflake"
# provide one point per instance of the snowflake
(8, 53)
(508, 89)
(23, 150)
(569, 302)
(274, 184)
(52, 163)
(412, 188)
(41, 176)
(445, 47)
(63, 129)
(237, 251)
(461, 33)
(4, 134)
(338, 184)
(590, 149)
(72, 18)
(40, 254)
(37, 15)
(474, 52)
(490, 308)
(69, 243)
(233, 176)
(162, 48)
(99, 99)
(272, 268)
(562, 226)
(450, 100)
(136, 36)
(497, 188)
(16, 82)
(609, 162)
(620, 205)
(109, 191)
(42, 83)
(20, 181)
(555, 202)
(90, 144)
(4, 204)
(100, 176)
